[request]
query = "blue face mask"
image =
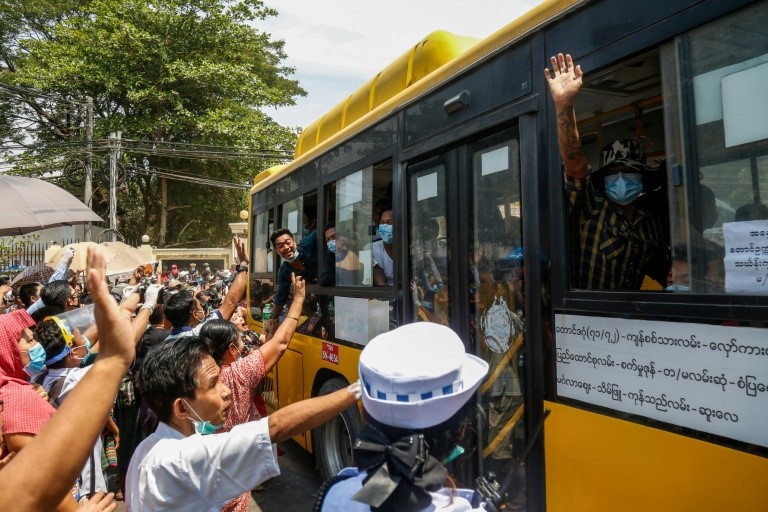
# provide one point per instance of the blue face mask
(202, 427)
(36, 360)
(331, 245)
(623, 188)
(386, 234)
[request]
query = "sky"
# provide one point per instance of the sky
(336, 46)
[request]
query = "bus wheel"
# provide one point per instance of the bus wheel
(333, 441)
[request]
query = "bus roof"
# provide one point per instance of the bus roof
(427, 55)
(369, 104)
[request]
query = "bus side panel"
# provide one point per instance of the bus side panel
(333, 361)
(595, 462)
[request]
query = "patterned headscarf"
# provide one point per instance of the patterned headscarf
(11, 326)
(24, 411)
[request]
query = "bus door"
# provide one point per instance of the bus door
(466, 270)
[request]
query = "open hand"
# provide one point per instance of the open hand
(242, 251)
(565, 80)
(114, 327)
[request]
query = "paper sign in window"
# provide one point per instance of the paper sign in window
(426, 186)
(746, 257)
(494, 161)
(745, 110)
(293, 221)
(351, 189)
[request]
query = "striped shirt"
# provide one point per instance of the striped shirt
(613, 252)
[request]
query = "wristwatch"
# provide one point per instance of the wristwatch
(242, 267)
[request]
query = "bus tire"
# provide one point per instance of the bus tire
(333, 441)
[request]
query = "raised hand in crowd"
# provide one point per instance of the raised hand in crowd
(39, 476)
(237, 288)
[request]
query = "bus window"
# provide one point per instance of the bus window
(295, 242)
(429, 243)
(496, 294)
(719, 231)
(262, 250)
(614, 177)
(355, 196)
(262, 263)
(299, 215)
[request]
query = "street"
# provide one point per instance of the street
(294, 490)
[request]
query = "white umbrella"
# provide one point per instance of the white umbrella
(121, 258)
(30, 204)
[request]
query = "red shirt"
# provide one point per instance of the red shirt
(242, 377)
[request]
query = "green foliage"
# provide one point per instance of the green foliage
(12, 247)
(183, 71)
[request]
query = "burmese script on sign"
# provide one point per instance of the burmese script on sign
(706, 377)
(746, 257)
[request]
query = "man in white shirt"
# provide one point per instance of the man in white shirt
(183, 466)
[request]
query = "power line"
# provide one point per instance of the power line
(189, 178)
(178, 150)
(211, 146)
(22, 91)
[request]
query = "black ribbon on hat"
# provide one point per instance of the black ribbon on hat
(403, 466)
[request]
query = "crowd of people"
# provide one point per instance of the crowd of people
(180, 405)
(157, 401)
(91, 410)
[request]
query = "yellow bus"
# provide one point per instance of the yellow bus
(653, 397)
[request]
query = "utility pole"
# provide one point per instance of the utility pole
(88, 192)
(163, 211)
(114, 155)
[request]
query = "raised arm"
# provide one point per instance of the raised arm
(60, 272)
(565, 81)
(237, 289)
(140, 321)
(273, 349)
(39, 476)
(308, 414)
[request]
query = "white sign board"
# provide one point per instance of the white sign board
(746, 257)
(706, 377)
(360, 320)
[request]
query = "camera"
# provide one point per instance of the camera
(146, 281)
(214, 299)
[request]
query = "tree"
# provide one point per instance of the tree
(179, 72)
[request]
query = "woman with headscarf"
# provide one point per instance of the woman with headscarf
(417, 384)
(25, 412)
